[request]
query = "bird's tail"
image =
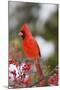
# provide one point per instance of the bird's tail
(39, 70)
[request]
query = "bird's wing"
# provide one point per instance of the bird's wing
(38, 48)
(36, 45)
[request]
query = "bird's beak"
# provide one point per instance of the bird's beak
(20, 34)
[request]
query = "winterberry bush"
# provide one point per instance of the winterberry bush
(22, 73)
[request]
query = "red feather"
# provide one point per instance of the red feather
(31, 48)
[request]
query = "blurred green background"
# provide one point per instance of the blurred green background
(42, 20)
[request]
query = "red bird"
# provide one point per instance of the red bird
(31, 48)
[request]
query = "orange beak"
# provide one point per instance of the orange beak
(20, 33)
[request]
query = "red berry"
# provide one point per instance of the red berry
(51, 80)
(14, 72)
(9, 77)
(27, 82)
(56, 71)
(56, 78)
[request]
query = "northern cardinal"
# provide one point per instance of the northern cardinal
(31, 48)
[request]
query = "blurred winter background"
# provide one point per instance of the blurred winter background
(43, 23)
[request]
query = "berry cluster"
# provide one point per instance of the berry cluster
(18, 74)
(53, 79)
